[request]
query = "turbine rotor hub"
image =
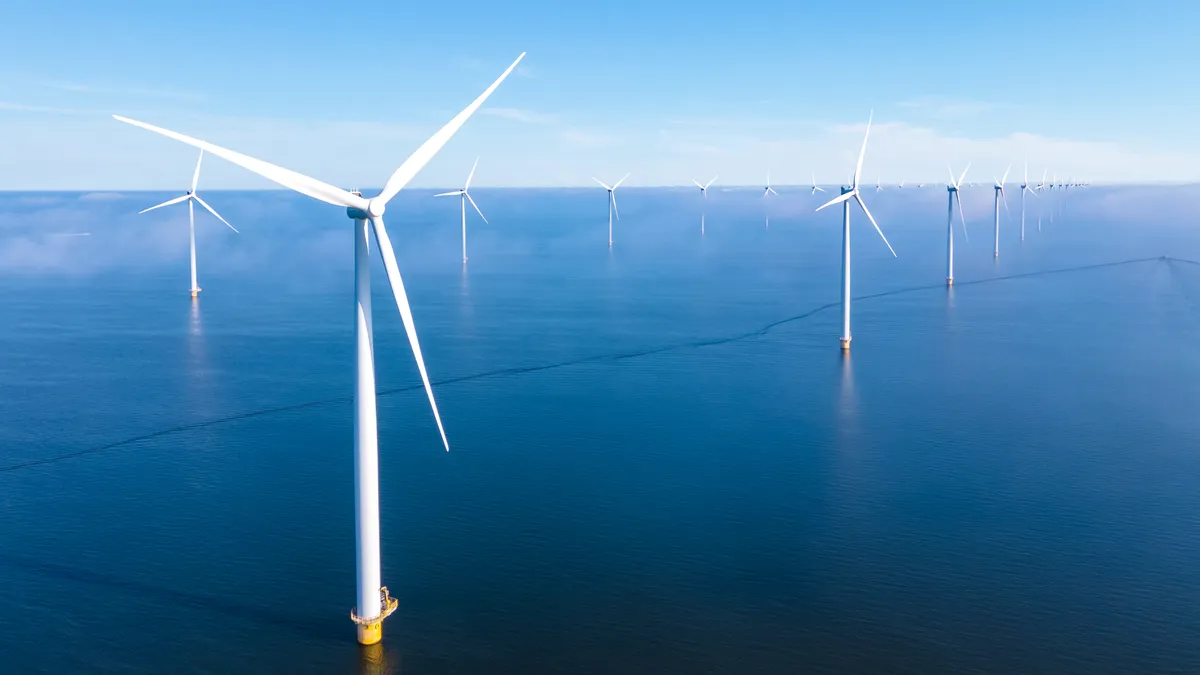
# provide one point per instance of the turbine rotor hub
(376, 207)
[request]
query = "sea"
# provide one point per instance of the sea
(660, 459)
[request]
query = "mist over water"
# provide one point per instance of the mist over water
(660, 461)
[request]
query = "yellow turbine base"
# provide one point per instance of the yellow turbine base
(195, 291)
(845, 343)
(950, 281)
(370, 633)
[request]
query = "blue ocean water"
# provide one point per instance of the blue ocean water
(661, 462)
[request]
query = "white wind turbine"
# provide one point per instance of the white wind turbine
(374, 603)
(465, 197)
(952, 194)
(879, 185)
(998, 187)
(612, 203)
(768, 190)
(849, 193)
(1025, 187)
(704, 197)
(815, 187)
(189, 197)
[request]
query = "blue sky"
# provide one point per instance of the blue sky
(667, 90)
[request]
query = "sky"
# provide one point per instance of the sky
(666, 91)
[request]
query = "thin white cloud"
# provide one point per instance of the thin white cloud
(519, 115)
(125, 91)
(578, 138)
(945, 107)
(49, 110)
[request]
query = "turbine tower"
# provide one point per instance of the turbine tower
(189, 197)
(849, 193)
(374, 603)
(465, 197)
(998, 186)
(612, 203)
(1025, 188)
(952, 194)
(704, 197)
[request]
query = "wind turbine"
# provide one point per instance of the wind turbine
(612, 203)
(999, 190)
(849, 193)
(374, 603)
(1025, 188)
(703, 196)
(189, 197)
(952, 194)
(878, 185)
(768, 190)
(465, 197)
(815, 187)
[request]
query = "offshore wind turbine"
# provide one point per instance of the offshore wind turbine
(768, 190)
(704, 198)
(816, 188)
(849, 193)
(1025, 188)
(190, 196)
(465, 197)
(953, 194)
(612, 203)
(999, 189)
(374, 603)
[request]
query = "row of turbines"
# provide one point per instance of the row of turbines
(374, 603)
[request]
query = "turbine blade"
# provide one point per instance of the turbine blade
(697, 183)
(166, 203)
(468, 196)
(285, 177)
(962, 218)
(471, 175)
(1004, 198)
(421, 157)
(714, 179)
(214, 212)
(601, 183)
(393, 274)
(772, 191)
(867, 211)
(863, 152)
(196, 173)
(1005, 179)
(620, 181)
(449, 194)
(952, 183)
(964, 174)
(613, 196)
(837, 200)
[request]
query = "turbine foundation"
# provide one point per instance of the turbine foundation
(195, 291)
(949, 281)
(845, 344)
(370, 631)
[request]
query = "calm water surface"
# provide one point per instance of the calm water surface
(660, 461)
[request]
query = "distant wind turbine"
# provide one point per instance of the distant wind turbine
(465, 197)
(999, 189)
(374, 602)
(878, 185)
(849, 193)
(704, 197)
(953, 194)
(612, 203)
(190, 196)
(1025, 188)
(815, 187)
(768, 190)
